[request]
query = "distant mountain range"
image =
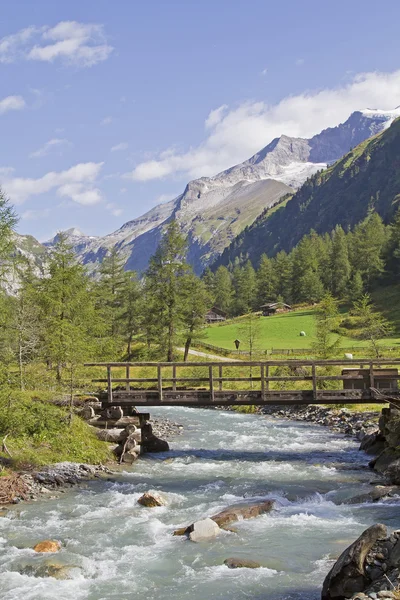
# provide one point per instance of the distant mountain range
(365, 179)
(213, 211)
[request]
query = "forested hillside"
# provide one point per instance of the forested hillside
(366, 179)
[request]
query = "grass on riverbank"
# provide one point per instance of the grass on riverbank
(39, 432)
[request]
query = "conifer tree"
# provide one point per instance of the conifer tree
(223, 289)
(164, 293)
(355, 287)
(283, 276)
(195, 302)
(339, 267)
(131, 314)
(67, 310)
(265, 281)
(327, 320)
(393, 251)
(372, 324)
(369, 243)
(111, 291)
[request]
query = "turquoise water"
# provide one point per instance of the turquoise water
(119, 550)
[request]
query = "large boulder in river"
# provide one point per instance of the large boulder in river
(241, 563)
(202, 531)
(48, 546)
(151, 500)
(348, 575)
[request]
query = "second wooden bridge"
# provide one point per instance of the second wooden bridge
(249, 383)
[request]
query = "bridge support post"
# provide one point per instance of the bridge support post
(159, 379)
(314, 381)
(262, 375)
(211, 378)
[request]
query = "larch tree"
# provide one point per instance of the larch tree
(67, 311)
(327, 320)
(111, 291)
(373, 326)
(164, 293)
(223, 289)
(339, 267)
(265, 281)
(196, 301)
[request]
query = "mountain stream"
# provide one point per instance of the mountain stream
(116, 549)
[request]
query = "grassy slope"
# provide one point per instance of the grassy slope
(283, 331)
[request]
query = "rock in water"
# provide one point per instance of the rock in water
(151, 500)
(348, 575)
(48, 546)
(204, 530)
(242, 511)
(238, 512)
(152, 443)
(241, 563)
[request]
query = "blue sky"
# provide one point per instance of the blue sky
(109, 107)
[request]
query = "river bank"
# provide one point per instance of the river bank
(119, 549)
(48, 481)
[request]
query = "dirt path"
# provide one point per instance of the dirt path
(209, 356)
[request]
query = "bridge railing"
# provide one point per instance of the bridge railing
(214, 381)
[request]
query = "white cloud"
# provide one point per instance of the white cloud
(216, 116)
(264, 72)
(34, 215)
(49, 146)
(73, 43)
(300, 62)
(118, 147)
(106, 121)
(234, 135)
(11, 103)
(11, 46)
(76, 183)
(114, 210)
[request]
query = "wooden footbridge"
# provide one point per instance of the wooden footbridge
(277, 382)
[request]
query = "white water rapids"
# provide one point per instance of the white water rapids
(121, 550)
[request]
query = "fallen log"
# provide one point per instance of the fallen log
(231, 514)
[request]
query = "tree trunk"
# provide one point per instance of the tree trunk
(187, 348)
(129, 350)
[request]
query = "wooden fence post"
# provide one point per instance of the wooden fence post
(267, 375)
(210, 372)
(128, 385)
(220, 377)
(109, 384)
(159, 379)
(174, 378)
(262, 375)
(371, 377)
(314, 381)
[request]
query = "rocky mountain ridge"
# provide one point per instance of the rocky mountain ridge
(366, 178)
(212, 211)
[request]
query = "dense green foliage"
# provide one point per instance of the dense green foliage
(343, 264)
(368, 178)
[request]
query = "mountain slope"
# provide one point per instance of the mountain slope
(366, 178)
(213, 210)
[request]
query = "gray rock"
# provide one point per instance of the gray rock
(241, 563)
(348, 576)
(204, 530)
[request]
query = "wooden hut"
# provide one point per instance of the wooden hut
(272, 308)
(215, 315)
